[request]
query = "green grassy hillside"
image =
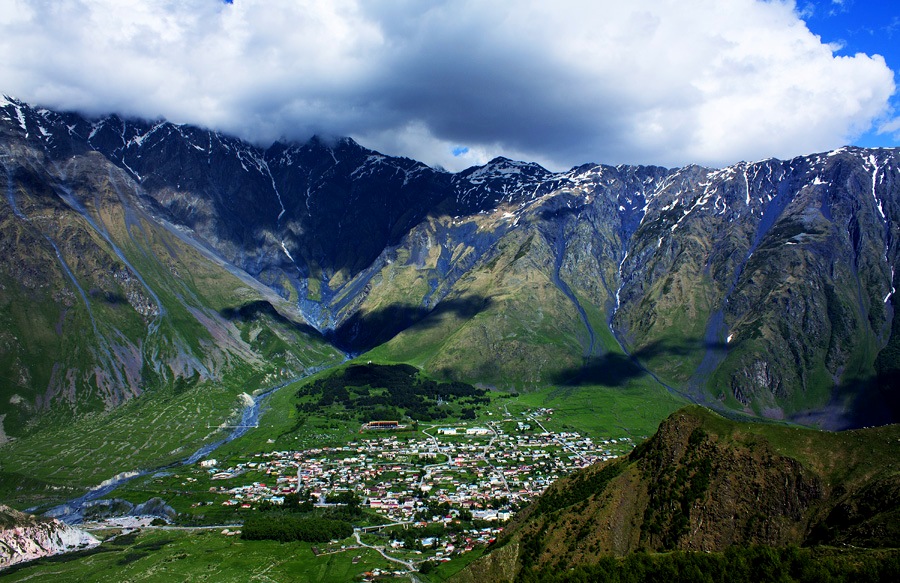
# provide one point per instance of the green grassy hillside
(705, 483)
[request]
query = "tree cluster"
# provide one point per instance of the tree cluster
(372, 392)
(287, 527)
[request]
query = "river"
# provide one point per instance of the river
(71, 511)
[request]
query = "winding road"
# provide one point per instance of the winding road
(380, 551)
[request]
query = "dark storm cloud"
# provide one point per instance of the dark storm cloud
(561, 82)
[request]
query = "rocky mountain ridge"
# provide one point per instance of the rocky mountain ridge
(706, 484)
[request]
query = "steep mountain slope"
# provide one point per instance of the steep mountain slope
(704, 483)
(766, 287)
(777, 304)
(102, 303)
(784, 271)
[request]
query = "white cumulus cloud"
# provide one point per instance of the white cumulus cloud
(562, 82)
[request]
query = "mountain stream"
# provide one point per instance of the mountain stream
(72, 511)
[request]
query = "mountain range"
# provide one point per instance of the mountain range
(142, 258)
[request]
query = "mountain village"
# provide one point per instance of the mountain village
(442, 475)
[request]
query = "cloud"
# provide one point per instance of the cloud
(891, 127)
(562, 83)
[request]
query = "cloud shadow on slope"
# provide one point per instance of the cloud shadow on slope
(866, 402)
(364, 331)
(615, 369)
(261, 308)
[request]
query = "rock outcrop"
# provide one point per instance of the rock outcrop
(25, 538)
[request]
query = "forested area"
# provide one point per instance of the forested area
(285, 527)
(372, 392)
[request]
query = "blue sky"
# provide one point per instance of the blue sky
(860, 26)
(458, 82)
